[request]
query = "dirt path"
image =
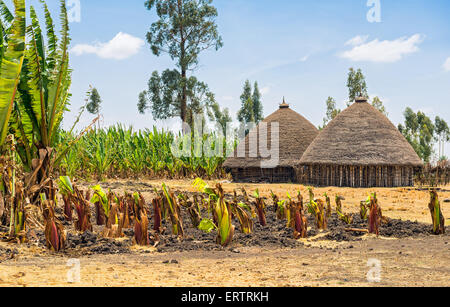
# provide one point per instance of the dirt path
(405, 262)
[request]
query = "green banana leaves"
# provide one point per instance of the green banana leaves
(11, 65)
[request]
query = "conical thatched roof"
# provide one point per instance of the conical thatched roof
(361, 135)
(295, 135)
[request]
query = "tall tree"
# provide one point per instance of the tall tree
(443, 134)
(356, 84)
(419, 130)
(251, 110)
(378, 104)
(332, 111)
(220, 117)
(184, 29)
(94, 104)
(165, 92)
(257, 104)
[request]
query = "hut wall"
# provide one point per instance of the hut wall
(269, 175)
(356, 176)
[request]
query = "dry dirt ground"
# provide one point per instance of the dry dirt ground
(423, 261)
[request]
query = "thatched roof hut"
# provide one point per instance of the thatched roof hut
(295, 135)
(360, 148)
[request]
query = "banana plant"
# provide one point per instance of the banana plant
(346, 218)
(260, 208)
(141, 223)
(101, 203)
(374, 215)
(12, 59)
(281, 210)
(55, 236)
(174, 212)
(222, 212)
(328, 202)
(275, 201)
(296, 219)
(44, 93)
(364, 208)
(83, 223)
(66, 190)
(157, 203)
(436, 214)
(243, 212)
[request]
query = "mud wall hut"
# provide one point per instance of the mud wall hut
(295, 135)
(360, 148)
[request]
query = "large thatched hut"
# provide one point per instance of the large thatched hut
(295, 135)
(359, 148)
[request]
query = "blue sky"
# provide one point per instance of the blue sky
(298, 49)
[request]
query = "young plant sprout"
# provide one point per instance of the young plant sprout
(275, 201)
(66, 190)
(141, 222)
(192, 208)
(18, 214)
(436, 214)
(296, 219)
(83, 223)
(157, 226)
(281, 210)
(364, 209)
(346, 218)
(101, 203)
(174, 211)
(374, 215)
(221, 213)
(260, 208)
(55, 235)
(114, 225)
(328, 202)
(321, 218)
(243, 212)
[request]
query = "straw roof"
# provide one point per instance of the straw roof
(361, 136)
(295, 135)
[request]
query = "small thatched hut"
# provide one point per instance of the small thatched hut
(359, 148)
(295, 135)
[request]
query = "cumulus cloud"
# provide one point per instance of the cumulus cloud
(447, 65)
(382, 51)
(121, 47)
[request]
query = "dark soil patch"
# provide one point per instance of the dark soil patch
(274, 235)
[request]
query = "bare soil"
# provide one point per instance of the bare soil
(409, 254)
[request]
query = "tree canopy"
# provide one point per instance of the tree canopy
(251, 110)
(184, 29)
(419, 130)
(332, 112)
(94, 104)
(356, 84)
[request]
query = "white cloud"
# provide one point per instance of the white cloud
(265, 90)
(384, 51)
(121, 47)
(447, 65)
(357, 40)
(305, 58)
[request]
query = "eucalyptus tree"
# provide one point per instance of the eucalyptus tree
(419, 130)
(183, 30)
(443, 134)
(356, 84)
